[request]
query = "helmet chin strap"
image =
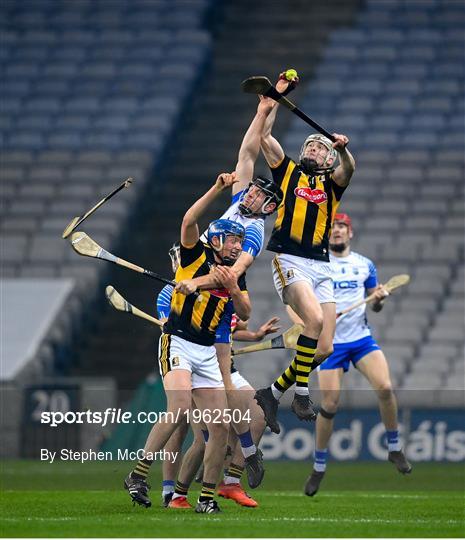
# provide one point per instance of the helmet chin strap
(226, 261)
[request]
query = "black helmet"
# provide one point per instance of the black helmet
(273, 194)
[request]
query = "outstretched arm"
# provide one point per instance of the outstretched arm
(250, 146)
(271, 148)
(344, 171)
(189, 228)
(242, 333)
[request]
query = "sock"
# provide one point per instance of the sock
(247, 446)
(321, 456)
(167, 487)
(233, 474)
(180, 490)
(393, 440)
(207, 493)
(304, 360)
(284, 381)
(206, 435)
(142, 468)
(277, 394)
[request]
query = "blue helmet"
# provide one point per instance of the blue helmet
(222, 228)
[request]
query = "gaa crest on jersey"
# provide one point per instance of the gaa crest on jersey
(290, 274)
(316, 196)
(175, 361)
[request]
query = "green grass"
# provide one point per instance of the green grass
(364, 500)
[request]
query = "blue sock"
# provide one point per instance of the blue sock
(247, 445)
(206, 435)
(167, 486)
(393, 440)
(320, 460)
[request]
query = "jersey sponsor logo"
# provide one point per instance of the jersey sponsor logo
(316, 196)
(346, 284)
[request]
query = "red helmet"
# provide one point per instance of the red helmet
(343, 218)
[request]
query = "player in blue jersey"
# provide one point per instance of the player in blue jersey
(354, 277)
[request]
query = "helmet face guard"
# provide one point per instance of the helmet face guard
(175, 255)
(272, 193)
(221, 228)
(308, 165)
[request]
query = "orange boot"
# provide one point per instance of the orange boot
(179, 502)
(236, 494)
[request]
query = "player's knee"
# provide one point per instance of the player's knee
(324, 351)
(219, 430)
(328, 411)
(330, 402)
(384, 390)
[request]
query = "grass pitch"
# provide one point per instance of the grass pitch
(361, 500)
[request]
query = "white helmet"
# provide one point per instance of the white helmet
(331, 156)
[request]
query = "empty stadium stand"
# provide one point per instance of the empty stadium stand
(94, 91)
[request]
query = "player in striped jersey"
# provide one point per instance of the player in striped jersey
(312, 190)
(354, 277)
(187, 357)
(230, 487)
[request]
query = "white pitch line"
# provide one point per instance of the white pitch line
(329, 495)
(264, 519)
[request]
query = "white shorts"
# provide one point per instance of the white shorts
(238, 380)
(289, 269)
(201, 360)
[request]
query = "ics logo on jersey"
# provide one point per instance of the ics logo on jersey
(347, 284)
(317, 196)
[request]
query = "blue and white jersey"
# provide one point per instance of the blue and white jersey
(254, 227)
(352, 276)
(164, 301)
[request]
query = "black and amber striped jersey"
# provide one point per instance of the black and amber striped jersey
(303, 222)
(194, 318)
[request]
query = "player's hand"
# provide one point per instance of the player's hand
(225, 181)
(379, 294)
(268, 328)
(284, 85)
(186, 286)
(227, 277)
(266, 105)
(341, 142)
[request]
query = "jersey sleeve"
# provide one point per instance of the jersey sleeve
(254, 238)
(279, 171)
(191, 254)
(372, 280)
(242, 284)
(337, 189)
(164, 302)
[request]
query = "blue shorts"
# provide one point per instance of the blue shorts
(344, 353)
(223, 331)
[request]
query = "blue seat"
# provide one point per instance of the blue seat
(23, 70)
(38, 122)
(64, 140)
(104, 140)
(48, 105)
(78, 122)
(112, 122)
(85, 104)
(52, 86)
(29, 140)
(15, 88)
